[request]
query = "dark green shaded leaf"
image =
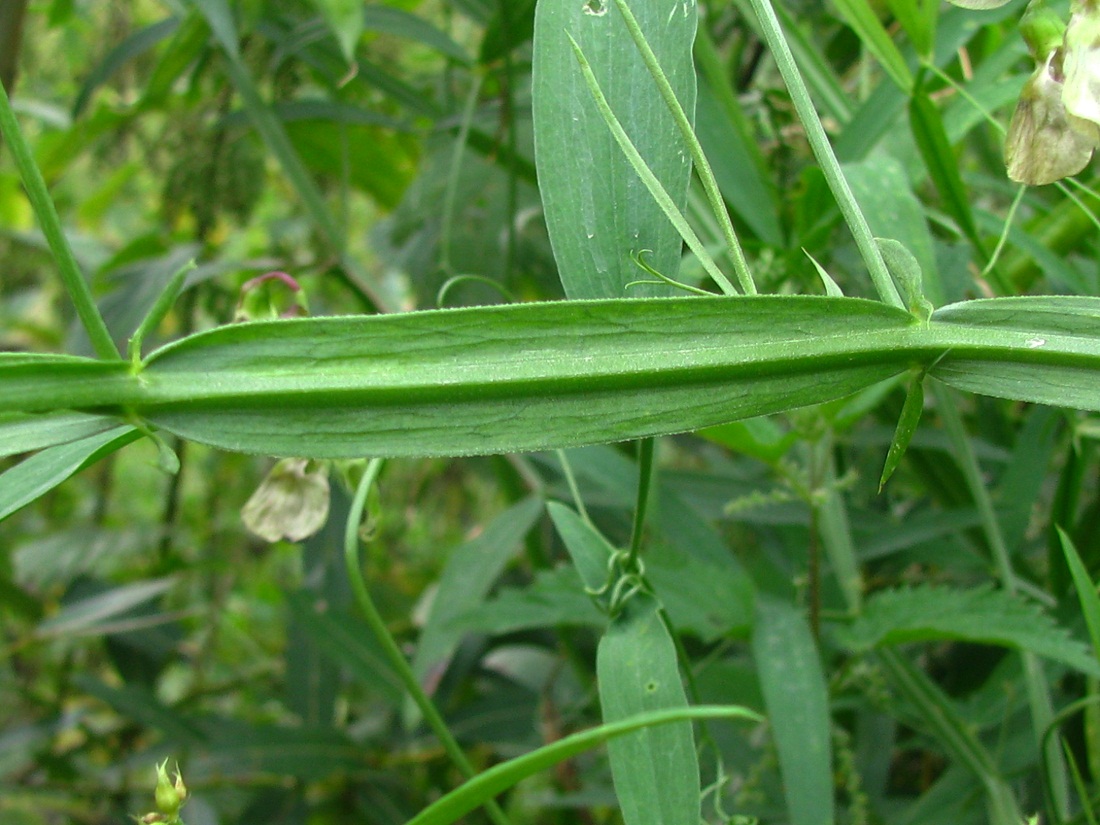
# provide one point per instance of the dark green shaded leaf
(346, 640)
(798, 709)
(470, 571)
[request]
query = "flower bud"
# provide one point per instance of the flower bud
(1042, 30)
(1042, 146)
(168, 797)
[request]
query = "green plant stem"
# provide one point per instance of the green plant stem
(702, 165)
(389, 646)
(44, 209)
(823, 151)
(656, 189)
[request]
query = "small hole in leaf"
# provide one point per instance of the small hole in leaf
(596, 8)
(651, 687)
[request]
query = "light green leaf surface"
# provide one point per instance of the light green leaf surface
(26, 433)
(597, 220)
(798, 709)
(656, 770)
(982, 615)
(37, 475)
(588, 549)
(1085, 588)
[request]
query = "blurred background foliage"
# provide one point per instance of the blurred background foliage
(141, 621)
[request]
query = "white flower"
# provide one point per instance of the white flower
(291, 503)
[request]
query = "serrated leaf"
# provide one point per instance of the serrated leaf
(982, 615)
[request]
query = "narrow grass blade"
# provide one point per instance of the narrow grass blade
(1086, 589)
(823, 151)
(46, 212)
(936, 714)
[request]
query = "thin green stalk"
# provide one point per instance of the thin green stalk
(1038, 692)
(823, 151)
(389, 645)
(44, 209)
(453, 174)
(645, 483)
(574, 490)
(702, 165)
(656, 189)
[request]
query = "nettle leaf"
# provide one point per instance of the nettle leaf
(983, 615)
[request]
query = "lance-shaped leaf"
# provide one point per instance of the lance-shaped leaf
(535, 376)
(596, 220)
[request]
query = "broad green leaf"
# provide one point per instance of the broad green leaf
(487, 784)
(492, 379)
(981, 615)
(597, 220)
(498, 379)
(656, 770)
(1038, 323)
(37, 475)
(555, 598)
(467, 576)
(798, 709)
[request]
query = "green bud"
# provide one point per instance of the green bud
(168, 798)
(1042, 30)
(291, 503)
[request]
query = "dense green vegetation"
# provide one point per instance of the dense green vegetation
(570, 543)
